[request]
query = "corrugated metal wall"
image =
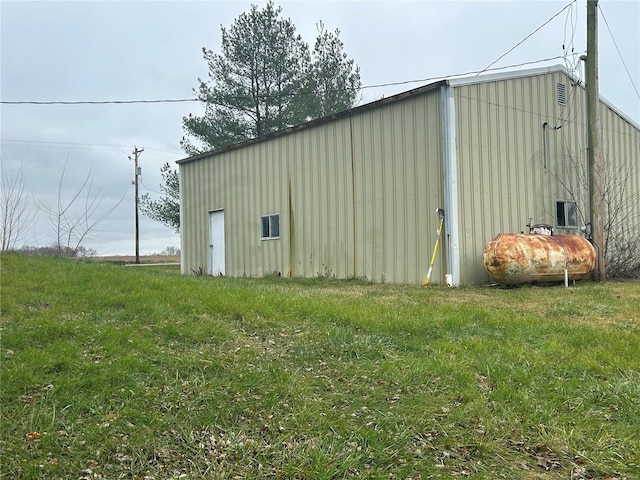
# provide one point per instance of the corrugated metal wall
(508, 172)
(621, 154)
(398, 187)
(356, 197)
(301, 177)
(319, 199)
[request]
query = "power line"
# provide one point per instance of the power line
(619, 54)
(542, 115)
(574, 65)
(572, 14)
(49, 143)
(97, 102)
(380, 85)
(150, 189)
(165, 151)
(525, 38)
(81, 145)
(531, 62)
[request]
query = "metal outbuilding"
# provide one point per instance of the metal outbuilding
(355, 194)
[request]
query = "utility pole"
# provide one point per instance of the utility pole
(137, 173)
(596, 167)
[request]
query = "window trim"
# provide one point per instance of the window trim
(273, 217)
(566, 213)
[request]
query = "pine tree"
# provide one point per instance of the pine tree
(167, 209)
(335, 79)
(255, 83)
(265, 79)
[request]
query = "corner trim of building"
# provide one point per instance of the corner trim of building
(450, 173)
(183, 267)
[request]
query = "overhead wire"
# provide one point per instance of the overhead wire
(41, 143)
(573, 66)
(95, 102)
(150, 189)
(531, 62)
(572, 15)
(525, 38)
(380, 85)
(570, 104)
(540, 114)
(619, 53)
(53, 143)
(82, 145)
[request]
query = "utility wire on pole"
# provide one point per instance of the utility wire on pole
(596, 164)
(137, 174)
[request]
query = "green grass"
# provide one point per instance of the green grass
(145, 374)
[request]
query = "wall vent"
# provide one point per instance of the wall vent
(562, 94)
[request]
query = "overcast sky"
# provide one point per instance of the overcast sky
(151, 50)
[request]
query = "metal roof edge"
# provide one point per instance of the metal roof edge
(319, 121)
(453, 82)
(495, 77)
(624, 116)
(531, 72)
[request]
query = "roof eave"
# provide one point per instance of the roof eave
(319, 121)
(454, 82)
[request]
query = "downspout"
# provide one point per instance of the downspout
(450, 177)
(544, 145)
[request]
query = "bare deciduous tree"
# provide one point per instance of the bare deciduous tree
(622, 225)
(16, 217)
(74, 220)
(621, 222)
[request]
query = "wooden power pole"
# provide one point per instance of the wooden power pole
(137, 173)
(596, 164)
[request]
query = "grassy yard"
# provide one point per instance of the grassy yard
(114, 372)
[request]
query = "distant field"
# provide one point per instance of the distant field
(112, 372)
(143, 258)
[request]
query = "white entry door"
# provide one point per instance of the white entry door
(216, 243)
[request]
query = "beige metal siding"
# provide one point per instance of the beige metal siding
(502, 177)
(356, 197)
(303, 177)
(503, 180)
(398, 172)
(621, 155)
(241, 183)
(319, 182)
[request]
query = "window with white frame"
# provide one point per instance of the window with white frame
(566, 214)
(270, 226)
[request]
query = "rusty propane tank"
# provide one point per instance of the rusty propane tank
(517, 258)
